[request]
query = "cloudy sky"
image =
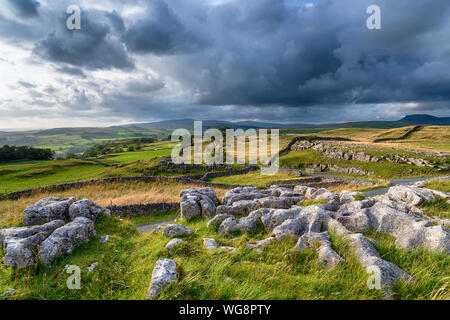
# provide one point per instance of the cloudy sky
(309, 61)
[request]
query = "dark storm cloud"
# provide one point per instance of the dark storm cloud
(72, 71)
(160, 32)
(92, 47)
(284, 60)
(25, 8)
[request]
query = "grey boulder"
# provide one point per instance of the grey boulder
(87, 209)
(176, 230)
(174, 243)
(46, 210)
(198, 202)
(163, 274)
(66, 239)
(20, 245)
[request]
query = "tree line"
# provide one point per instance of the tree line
(13, 153)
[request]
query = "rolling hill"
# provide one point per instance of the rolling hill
(75, 140)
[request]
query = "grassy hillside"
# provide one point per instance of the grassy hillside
(76, 140)
(433, 138)
(126, 262)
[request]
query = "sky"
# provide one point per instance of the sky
(290, 61)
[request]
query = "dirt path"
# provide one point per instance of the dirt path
(149, 227)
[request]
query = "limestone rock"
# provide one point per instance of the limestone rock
(20, 245)
(355, 221)
(88, 209)
(262, 243)
(164, 273)
(411, 196)
(211, 244)
(291, 227)
(176, 230)
(198, 201)
(104, 239)
(326, 254)
(174, 243)
(271, 218)
(46, 210)
(66, 239)
(190, 207)
(323, 194)
(218, 219)
(369, 258)
(410, 232)
(348, 196)
(246, 224)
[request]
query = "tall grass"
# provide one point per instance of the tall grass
(120, 193)
(127, 260)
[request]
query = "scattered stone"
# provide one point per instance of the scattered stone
(46, 210)
(164, 273)
(326, 254)
(92, 267)
(176, 230)
(211, 244)
(87, 209)
(174, 243)
(104, 239)
(66, 239)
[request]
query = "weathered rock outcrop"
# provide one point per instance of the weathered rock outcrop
(246, 224)
(244, 200)
(66, 239)
(409, 231)
(369, 258)
(218, 219)
(272, 218)
(410, 195)
(198, 202)
(46, 210)
(326, 254)
(88, 209)
(163, 274)
(20, 245)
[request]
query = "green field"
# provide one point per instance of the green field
(382, 170)
(76, 140)
(28, 176)
(127, 157)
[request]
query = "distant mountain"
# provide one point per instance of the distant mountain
(425, 119)
(207, 124)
